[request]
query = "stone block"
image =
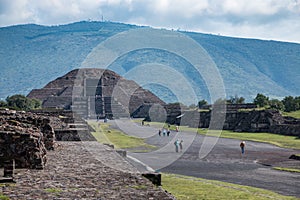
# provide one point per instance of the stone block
(122, 153)
(155, 178)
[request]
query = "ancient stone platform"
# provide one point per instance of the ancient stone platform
(83, 170)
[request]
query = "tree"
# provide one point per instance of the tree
(297, 102)
(261, 100)
(202, 103)
(276, 104)
(36, 103)
(3, 104)
(20, 102)
(291, 103)
(236, 100)
(240, 100)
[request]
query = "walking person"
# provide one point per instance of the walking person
(164, 132)
(159, 132)
(180, 145)
(176, 143)
(242, 145)
(168, 132)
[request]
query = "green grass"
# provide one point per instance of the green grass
(53, 190)
(139, 187)
(295, 114)
(252, 109)
(104, 134)
(3, 197)
(275, 139)
(287, 169)
(184, 187)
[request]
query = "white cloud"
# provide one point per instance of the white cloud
(17, 11)
(243, 7)
(267, 19)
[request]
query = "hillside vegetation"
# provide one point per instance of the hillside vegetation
(33, 55)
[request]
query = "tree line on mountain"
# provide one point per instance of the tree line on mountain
(20, 102)
(287, 104)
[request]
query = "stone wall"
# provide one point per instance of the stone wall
(24, 138)
(24, 146)
(286, 129)
(20, 142)
(240, 121)
(22, 120)
(67, 126)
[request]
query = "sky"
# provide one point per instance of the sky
(262, 19)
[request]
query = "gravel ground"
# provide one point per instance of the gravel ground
(82, 170)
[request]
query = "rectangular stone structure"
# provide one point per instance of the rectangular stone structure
(155, 178)
(9, 166)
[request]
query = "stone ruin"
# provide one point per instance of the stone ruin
(11, 120)
(67, 125)
(24, 140)
(25, 137)
(270, 121)
(95, 93)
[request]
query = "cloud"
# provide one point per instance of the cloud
(16, 12)
(267, 19)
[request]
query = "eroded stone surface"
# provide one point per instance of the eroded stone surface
(22, 139)
(76, 172)
(29, 123)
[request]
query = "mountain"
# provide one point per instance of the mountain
(32, 55)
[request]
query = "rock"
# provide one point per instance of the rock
(34, 124)
(295, 157)
(155, 178)
(24, 138)
(25, 148)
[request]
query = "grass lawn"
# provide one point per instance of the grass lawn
(276, 139)
(185, 187)
(295, 114)
(287, 169)
(3, 197)
(104, 134)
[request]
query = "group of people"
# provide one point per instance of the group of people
(178, 144)
(166, 132)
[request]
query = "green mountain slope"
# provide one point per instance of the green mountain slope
(33, 55)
